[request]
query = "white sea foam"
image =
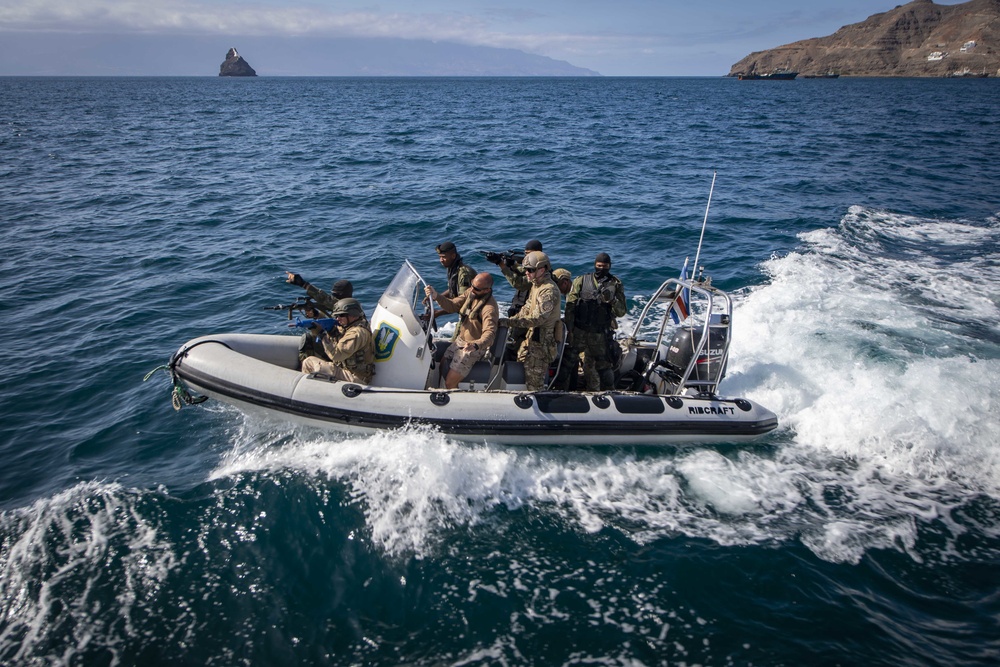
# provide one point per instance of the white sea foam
(62, 556)
(888, 422)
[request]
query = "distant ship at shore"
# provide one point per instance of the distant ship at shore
(825, 75)
(778, 75)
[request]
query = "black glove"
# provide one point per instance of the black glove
(296, 279)
(494, 258)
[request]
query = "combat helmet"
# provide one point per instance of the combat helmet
(535, 259)
(348, 307)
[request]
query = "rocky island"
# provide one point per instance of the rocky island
(234, 65)
(919, 38)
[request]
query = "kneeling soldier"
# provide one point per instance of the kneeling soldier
(352, 352)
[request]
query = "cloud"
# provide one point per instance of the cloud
(180, 16)
(183, 17)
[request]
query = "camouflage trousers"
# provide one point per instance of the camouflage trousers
(536, 358)
(593, 347)
(317, 365)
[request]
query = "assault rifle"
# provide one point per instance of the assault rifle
(305, 305)
(511, 258)
(328, 323)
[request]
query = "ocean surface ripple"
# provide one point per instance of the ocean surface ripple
(855, 221)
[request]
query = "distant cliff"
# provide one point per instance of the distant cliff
(916, 39)
(234, 65)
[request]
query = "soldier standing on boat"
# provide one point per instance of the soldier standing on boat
(520, 282)
(564, 379)
(478, 314)
(592, 305)
(540, 317)
(563, 279)
(459, 275)
(351, 352)
(514, 273)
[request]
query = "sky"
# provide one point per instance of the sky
(612, 37)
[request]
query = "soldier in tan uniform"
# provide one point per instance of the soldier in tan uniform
(540, 316)
(352, 352)
(563, 279)
(342, 289)
(478, 314)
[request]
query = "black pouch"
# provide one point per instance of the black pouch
(614, 350)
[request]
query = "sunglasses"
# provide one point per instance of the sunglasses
(478, 289)
(532, 269)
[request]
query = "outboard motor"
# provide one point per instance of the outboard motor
(710, 367)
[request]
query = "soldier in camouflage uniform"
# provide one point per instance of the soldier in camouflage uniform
(459, 275)
(522, 289)
(540, 316)
(352, 352)
(566, 379)
(342, 289)
(592, 305)
(515, 276)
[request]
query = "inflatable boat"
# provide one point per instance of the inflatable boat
(666, 390)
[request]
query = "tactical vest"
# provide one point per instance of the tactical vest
(453, 274)
(591, 314)
(362, 362)
(517, 303)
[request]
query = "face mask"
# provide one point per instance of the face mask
(602, 273)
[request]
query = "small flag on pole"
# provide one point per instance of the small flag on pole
(679, 308)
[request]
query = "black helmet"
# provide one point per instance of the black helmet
(348, 307)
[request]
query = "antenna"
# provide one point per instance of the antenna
(697, 255)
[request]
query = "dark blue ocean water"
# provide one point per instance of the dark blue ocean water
(856, 221)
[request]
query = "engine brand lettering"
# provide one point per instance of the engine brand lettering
(711, 410)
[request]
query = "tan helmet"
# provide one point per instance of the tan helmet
(561, 274)
(535, 259)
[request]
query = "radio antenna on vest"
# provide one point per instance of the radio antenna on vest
(697, 255)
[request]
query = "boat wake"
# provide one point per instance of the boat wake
(876, 342)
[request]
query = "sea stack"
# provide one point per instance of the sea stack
(234, 65)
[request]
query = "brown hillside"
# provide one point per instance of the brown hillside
(896, 43)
